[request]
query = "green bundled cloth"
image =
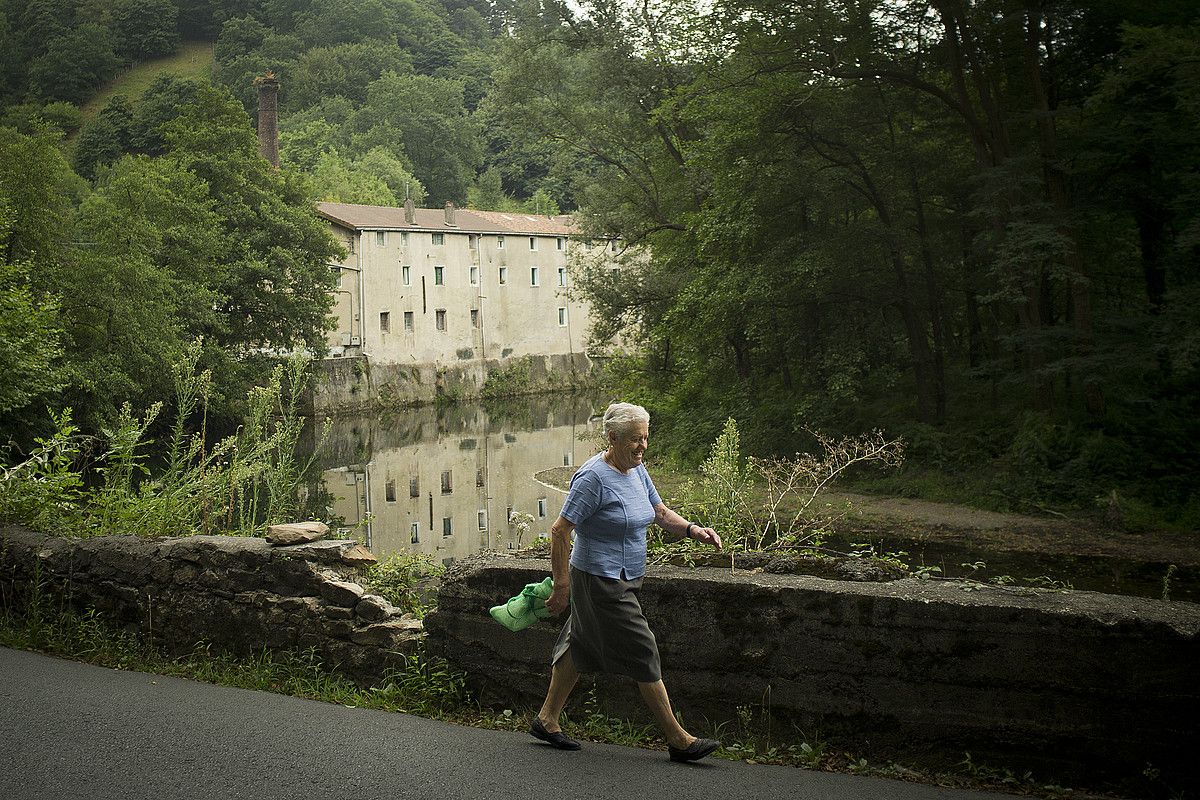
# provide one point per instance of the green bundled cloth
(526, 608)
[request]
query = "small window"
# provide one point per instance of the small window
(406, 275)
(337, 277)
(562, 316)
(389, 491)
(560, 243)
(408, 322)
(533, 276)
(381, 238)
(439, 276)
(503, 275)
(414, 487)
(616, 272)
(541, 506)
(474, 317)
(473, 241)
(587, 244)
(385, 322)
(404, 238)
(474, 276)
(439, 238)
(508, 513)
(562, 276)
(499, 242)
(447, 487)
(447, 527)
(613, 245)
(482, 519)
(414, 533)
(533, 243)
(440, 317)
(566, 459)
(479, 477)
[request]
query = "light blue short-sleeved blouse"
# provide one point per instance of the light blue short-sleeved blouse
(611, 511)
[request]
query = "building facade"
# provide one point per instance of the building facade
(445, 286)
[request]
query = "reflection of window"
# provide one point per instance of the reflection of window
(479, 477)
(414, 533)
(541, 506)
(446, 487)
(389, 491)
(447, 527)
(483, 519)
(439, 238)
(414, 487)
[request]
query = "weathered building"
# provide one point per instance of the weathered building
(442, 286)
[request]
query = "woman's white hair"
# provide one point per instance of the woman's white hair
(619, 417)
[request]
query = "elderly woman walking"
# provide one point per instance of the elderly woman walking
(611, 503)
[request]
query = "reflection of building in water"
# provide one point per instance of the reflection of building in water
(447, 487)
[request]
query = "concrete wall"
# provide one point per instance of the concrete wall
(1077, 686)
(239, 594)
(344, 385)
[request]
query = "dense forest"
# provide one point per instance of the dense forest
(970, 222)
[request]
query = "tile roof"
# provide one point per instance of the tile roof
(360, 217)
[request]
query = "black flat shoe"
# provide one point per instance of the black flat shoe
(694, 751)
(557, 739)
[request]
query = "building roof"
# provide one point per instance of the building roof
(358, 217)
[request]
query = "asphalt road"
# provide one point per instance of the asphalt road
(70, 730)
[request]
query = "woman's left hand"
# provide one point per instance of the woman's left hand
(707, 536)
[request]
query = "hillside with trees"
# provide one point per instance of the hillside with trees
(971, 223)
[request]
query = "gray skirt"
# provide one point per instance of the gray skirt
(607, 631)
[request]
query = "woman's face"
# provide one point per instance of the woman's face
(629, 446)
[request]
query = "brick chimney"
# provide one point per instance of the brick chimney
(268, 117)
(449, 213)
(410, 212)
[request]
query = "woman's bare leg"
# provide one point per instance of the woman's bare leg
(655, 695)
(563, 678)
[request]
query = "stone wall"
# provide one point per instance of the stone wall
(1077, 686)
(346, 385)
(239, 594)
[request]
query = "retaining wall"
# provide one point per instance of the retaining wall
(239, 594)
(1077, 686)
(345, 385)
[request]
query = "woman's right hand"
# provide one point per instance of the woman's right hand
(558, 600)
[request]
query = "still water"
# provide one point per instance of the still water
(446, 481)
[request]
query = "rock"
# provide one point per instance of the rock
(374, 608)
(296, 533)
(358, 556)
(392, 634)
(342, 593)
(338, 612)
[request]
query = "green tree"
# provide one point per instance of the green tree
(425, 120)
(75, 65)
(145, 28)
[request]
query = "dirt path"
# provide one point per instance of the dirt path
(926, 521)
(989, 530)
